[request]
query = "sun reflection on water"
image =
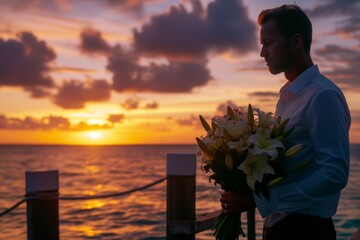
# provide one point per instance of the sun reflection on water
(91, 204)
(87, 230)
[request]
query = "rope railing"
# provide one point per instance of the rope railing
(72, 198)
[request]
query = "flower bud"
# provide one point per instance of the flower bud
(229, 162)
(293, 151)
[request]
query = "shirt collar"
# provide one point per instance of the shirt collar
(291, 89)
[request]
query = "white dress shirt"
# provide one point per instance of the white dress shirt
(318, 110)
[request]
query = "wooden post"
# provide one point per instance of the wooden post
(251, 235)
(42, 214)
(181, 187)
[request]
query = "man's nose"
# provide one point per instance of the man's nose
(263, 52)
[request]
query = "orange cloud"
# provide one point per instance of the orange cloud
(47, 123)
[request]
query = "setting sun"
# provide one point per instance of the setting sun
(94, 135)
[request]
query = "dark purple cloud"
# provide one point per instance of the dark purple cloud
(25, 63)
(92, 42)
(348, 9)
(74, 94)
(38, 92)
(174, 77)
(181, 34)
(349, 28)
(331, 8)
(46, 123)
(344, 63)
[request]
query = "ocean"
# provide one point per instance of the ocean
(93, 170)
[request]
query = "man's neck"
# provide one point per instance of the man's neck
(299, 66)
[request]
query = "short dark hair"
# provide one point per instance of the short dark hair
(291, 20)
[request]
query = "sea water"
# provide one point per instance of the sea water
(93, 170)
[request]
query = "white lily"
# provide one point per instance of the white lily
(212, 141)
(264, 144)
(265, 120)
(240, 144)
(255, 167)
(234, 127)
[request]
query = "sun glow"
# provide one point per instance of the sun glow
(94, 135)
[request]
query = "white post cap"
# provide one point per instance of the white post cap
(42, 181)
(181, 164)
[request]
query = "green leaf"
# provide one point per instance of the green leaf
(214, 125)
(282, 127)
(230, 112)
(288, 132)
(209, 151)
(250, 117)
(275, 181)
(205, 125)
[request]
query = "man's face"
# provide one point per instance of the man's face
(275, 50)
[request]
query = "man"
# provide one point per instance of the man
(302, 206)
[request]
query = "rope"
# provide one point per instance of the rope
(13, 207)
(52, 196)
(113, 194)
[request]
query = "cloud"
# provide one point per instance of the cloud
(92, 42)
(345, 64)
(74, 94)
(50, 5)
(174, 77)
(135, 103)
(264, 95)
(335, 8)
(73, 70)
(25, 63)
(355, 116)
(133, 6)
(131, 104)
(222, 108)
(181, 34)
(116, 118)
(349, 28)
(189, 121)
(349, 8)
(256, 66)
(151, 105)
(46, 123)
(126, 6)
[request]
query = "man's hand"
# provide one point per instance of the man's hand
(234, 202)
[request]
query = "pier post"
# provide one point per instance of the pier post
(181, 187)
(42, 214)
(251, 234)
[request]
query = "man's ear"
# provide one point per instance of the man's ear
(297, 41)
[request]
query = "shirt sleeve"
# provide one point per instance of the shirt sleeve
(328, 123)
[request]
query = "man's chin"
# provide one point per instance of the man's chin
(275, 71)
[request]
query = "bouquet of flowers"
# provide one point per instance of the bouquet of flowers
(243, 151)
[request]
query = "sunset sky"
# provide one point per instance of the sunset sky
(140, 72)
